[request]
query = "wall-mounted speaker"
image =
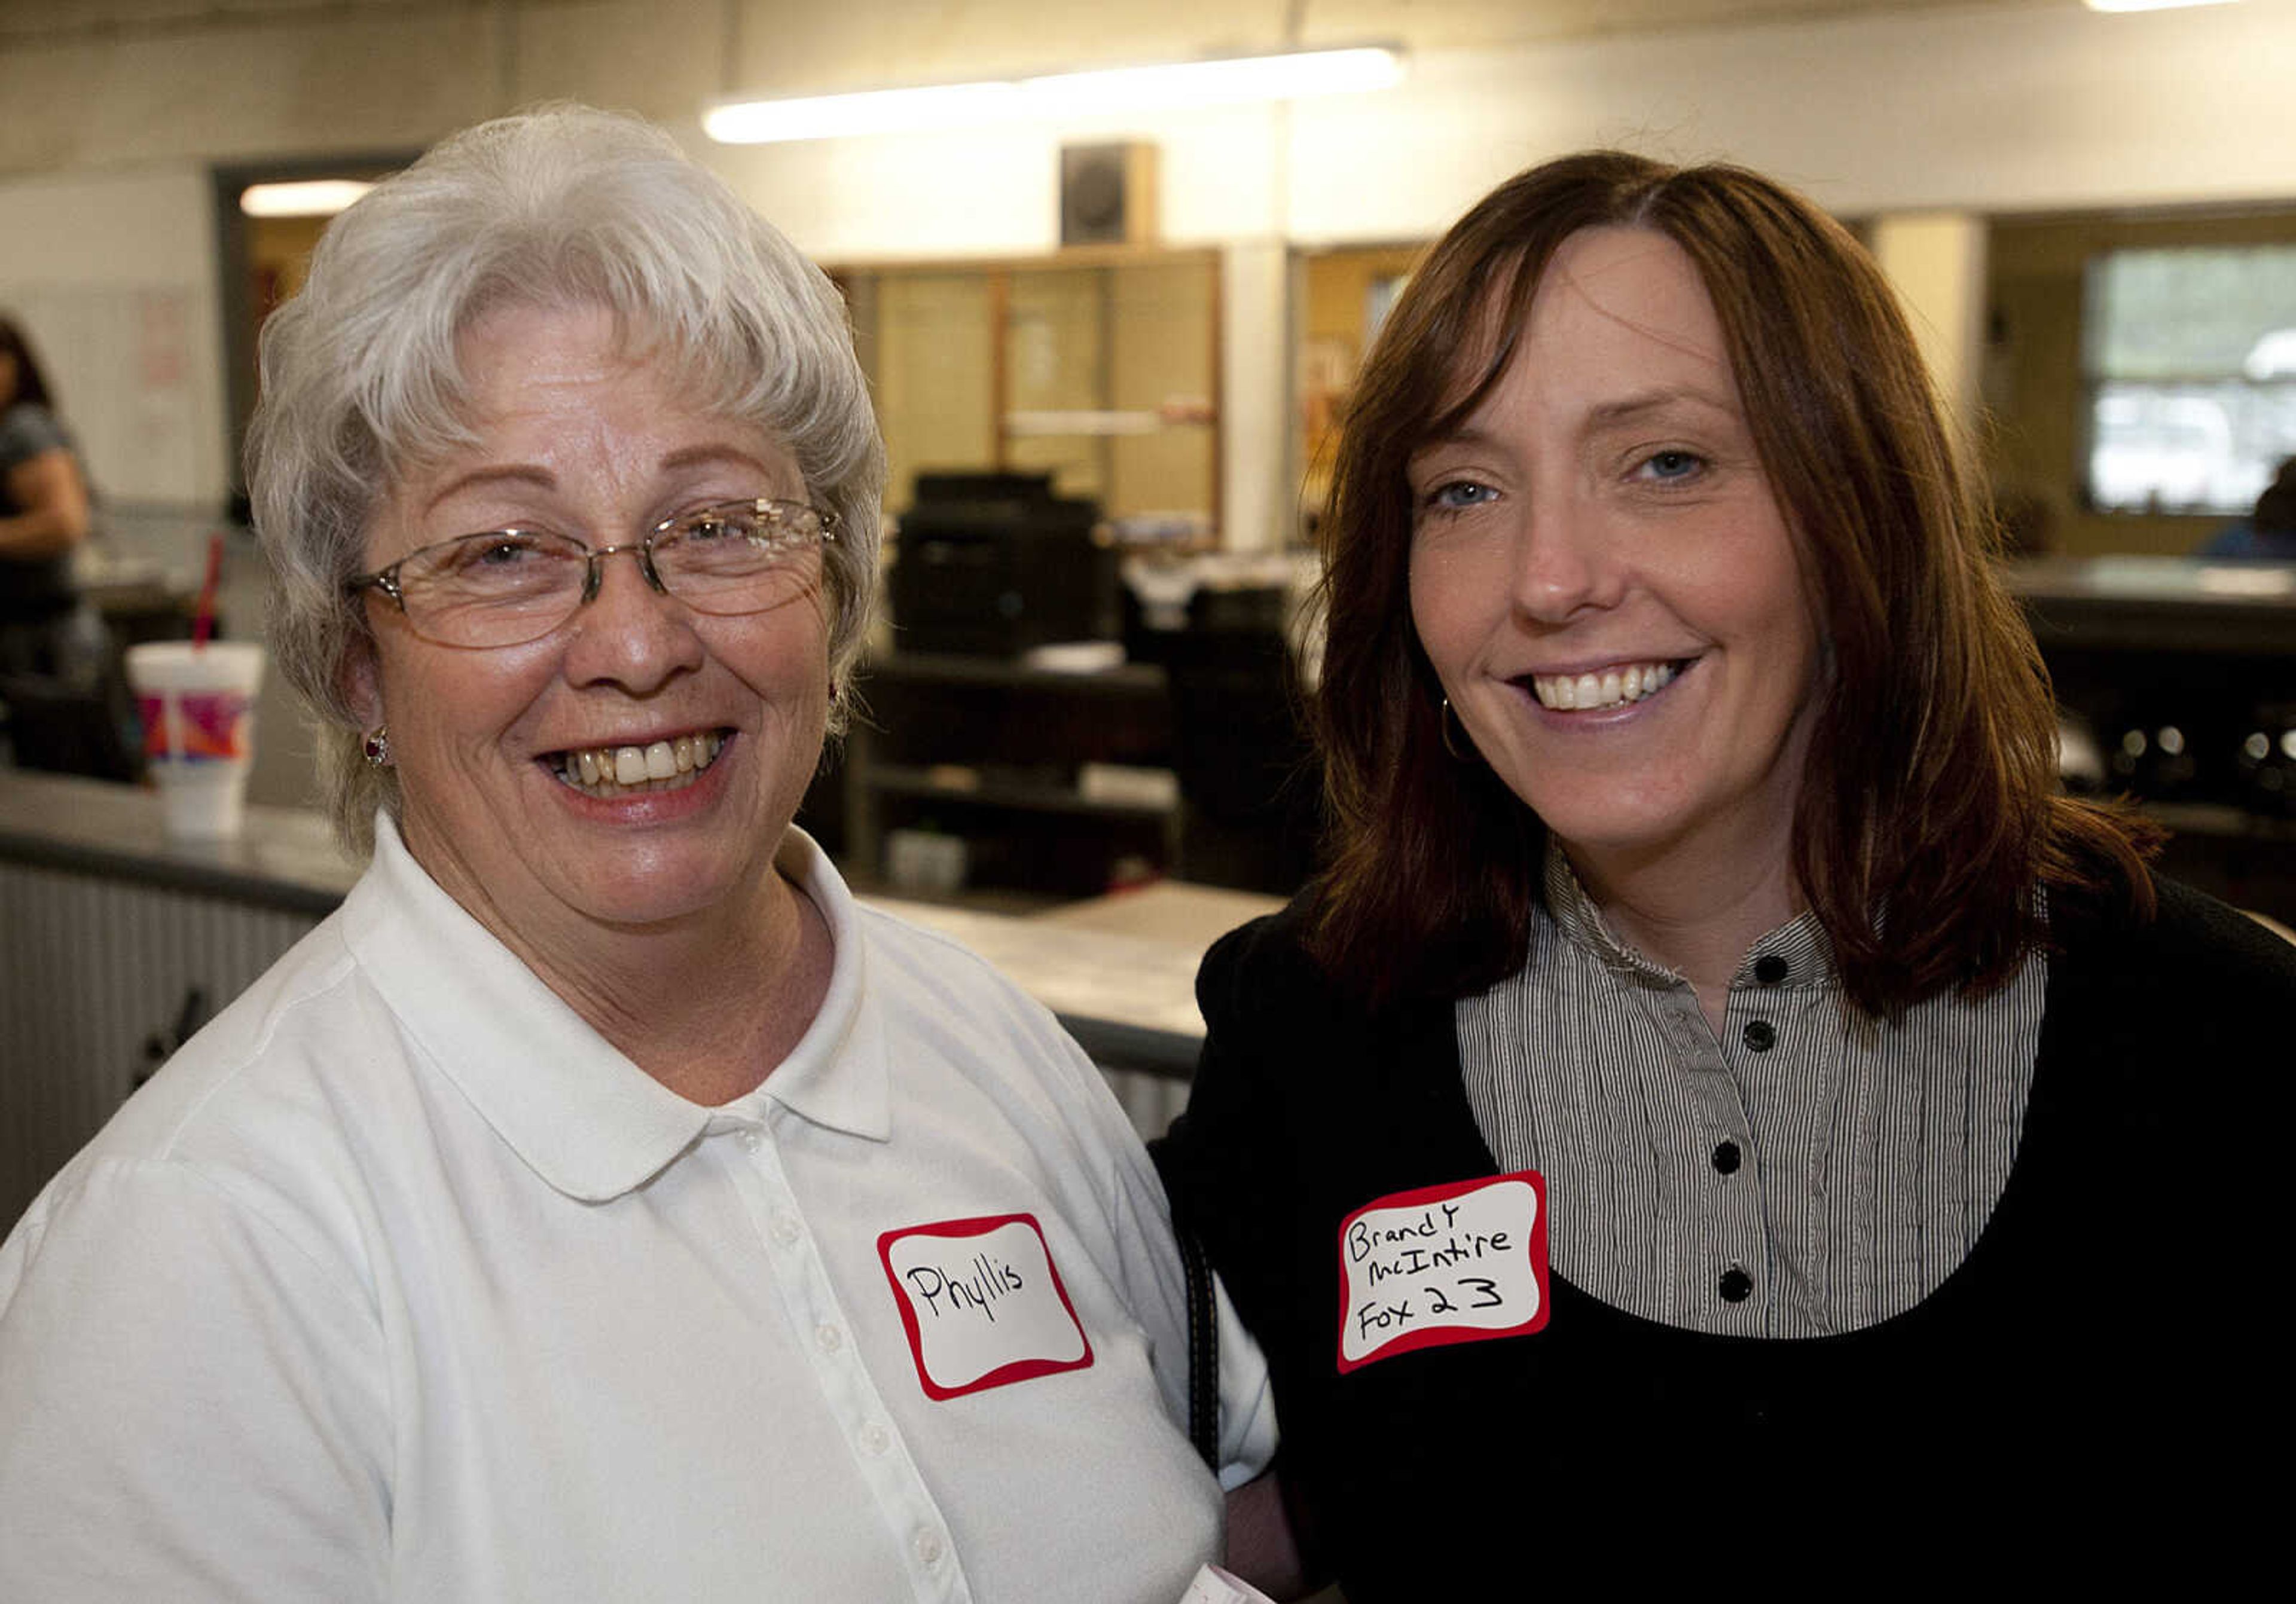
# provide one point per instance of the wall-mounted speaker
(1108, 194)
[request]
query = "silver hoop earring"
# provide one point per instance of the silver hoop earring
(376, 748)
(1444, 720)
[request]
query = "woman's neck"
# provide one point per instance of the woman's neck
(708, 1005)
(1699, 920)
(711, 1015)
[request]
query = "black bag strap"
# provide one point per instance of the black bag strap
(1203, 1349)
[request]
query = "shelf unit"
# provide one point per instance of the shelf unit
(900, 779)
(990, 751)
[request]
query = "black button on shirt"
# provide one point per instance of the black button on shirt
(1760, 1036)
(1736, 1285)
(1769, 969)
(1725, 1158)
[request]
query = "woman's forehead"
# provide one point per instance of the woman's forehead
(1488, 336)
(1630, 285)
(505, 342)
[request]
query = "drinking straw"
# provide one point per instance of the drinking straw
(203, 619)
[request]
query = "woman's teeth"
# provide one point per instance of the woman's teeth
(1611, 688)
(665, 766)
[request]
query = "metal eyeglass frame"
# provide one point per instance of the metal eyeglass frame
(386, 579)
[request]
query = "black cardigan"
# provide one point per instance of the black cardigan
(2093, 1375)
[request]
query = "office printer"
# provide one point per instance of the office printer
(992, 564)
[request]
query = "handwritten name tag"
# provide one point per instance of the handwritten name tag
(982, 1304)
(1460, 1262)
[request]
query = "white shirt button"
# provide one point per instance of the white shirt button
(930, 1548)
(828, 1337)
(751, 1141)
(786, 1230)
(875, 1439)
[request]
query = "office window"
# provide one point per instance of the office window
(2190, 371)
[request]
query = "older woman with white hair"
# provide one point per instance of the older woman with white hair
(601, 1204)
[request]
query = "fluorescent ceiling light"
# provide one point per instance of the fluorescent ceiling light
(2138, 5)
(1171, 87)
(312, 198)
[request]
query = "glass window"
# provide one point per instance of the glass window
(2190, 368)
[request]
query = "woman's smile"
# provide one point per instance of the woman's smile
(641, 761)
(1602, 580)
(1599, 690)
(615, 769)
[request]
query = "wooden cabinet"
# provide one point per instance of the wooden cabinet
(1100, 366)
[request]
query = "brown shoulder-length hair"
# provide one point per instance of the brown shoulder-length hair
(1929, 810)
(31, 382)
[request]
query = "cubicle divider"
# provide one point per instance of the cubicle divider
(100, 979)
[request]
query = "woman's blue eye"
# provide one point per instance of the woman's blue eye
(1672, 464)
(1456, 494)
(496, 551)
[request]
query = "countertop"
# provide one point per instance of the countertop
(2136, 603)
(286, 857)
(1119, 971)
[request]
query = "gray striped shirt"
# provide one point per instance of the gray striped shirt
(1809, 1172)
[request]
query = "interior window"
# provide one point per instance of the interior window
(2189, 364)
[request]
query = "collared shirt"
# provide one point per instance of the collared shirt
(1809, 1172)
(401, 1282)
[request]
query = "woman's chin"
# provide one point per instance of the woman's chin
(1614, 823)
(671, 884)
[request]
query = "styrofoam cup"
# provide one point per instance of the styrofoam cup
(198, 707)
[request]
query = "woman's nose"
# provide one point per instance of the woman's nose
(629, 632)
(1565, 561)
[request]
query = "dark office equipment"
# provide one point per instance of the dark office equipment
(1251, 788)
(992, 564)
(2191, 697)
(64, 703)
(2267, 761)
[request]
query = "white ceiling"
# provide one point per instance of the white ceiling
(1455, 23)
(1428, 24)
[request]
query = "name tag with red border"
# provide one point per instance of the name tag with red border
(982, 1304)
(1464, 1262)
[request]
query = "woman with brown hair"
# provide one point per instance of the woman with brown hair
(64, 703)
(43, 495)
(1718, 1078)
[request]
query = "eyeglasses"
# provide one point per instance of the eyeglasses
(505, 587)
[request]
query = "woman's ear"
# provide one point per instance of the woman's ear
(359, 682)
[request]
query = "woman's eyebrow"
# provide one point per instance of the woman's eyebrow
(519, 473)
(1626, 411)
(1635, 408)
(1466, 434)
(692, 456)
(541, 478)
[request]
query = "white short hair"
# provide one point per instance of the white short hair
(560, 205)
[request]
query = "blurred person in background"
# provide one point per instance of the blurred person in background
(66, 701)
(1723, 1112)
(2268, 533)
(602, 1203)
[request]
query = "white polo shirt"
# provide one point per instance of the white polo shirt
(399, 1282)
